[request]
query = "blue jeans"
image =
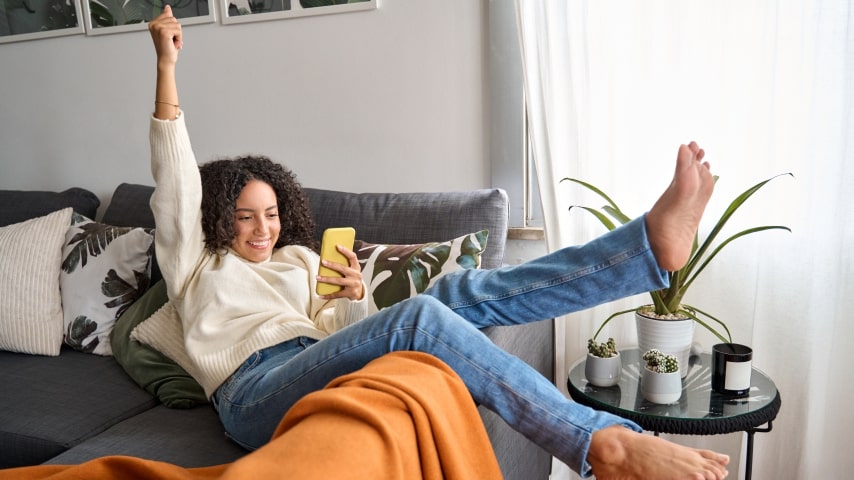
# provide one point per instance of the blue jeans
(445, 322)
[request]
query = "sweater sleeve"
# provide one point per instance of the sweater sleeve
(176, 203)
(327, 315)
(345, 312)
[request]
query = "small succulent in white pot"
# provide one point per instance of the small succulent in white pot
(660, 362)
(603, 365)
(661, 381)
(602, 350)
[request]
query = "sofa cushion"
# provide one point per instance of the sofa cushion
(158, 374)
(50, 404)
(404, 218)
(129, 206)
(19, 205)
(188, 438)
(397, 272)
(30, 304)
(104, 270)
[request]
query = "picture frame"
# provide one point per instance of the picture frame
(242, 11)
(22, 20)
(117, 16)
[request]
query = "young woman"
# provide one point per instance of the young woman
(235, 247)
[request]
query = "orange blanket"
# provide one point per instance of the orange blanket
(405, 415)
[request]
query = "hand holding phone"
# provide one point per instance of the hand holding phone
(344, 236)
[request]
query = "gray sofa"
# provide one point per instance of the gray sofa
(77, 406)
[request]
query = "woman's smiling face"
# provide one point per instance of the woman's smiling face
(256, 222)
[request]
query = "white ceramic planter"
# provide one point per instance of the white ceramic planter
(661, 388)
(670, 336)
(603, 372)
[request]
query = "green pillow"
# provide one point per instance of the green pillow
(153, 371)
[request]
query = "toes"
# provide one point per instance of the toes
(684, 156)
(698, 153)
(694, 147)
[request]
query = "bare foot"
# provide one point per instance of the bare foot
(617, 453)
(673, 220)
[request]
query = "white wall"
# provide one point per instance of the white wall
(394, 99)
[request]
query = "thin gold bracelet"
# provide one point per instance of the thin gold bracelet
(177, 107)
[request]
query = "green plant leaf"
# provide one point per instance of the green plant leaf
(611, 317)
(593, 189)
(599, 215)
(724, 243)
(690, 312)
(616, 213)
(728, 213)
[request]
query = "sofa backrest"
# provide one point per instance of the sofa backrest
(403, 218)
(393, 218)
(20, 205)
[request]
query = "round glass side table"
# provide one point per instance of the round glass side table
(699, 411)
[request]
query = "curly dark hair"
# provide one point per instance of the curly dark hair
(222, 182)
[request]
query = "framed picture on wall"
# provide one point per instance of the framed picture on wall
(31, 19)
(241, 11)
(116, 16)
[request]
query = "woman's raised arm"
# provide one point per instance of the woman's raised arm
(177, 198)
(166, 33)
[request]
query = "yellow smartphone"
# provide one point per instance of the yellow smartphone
(344, 236)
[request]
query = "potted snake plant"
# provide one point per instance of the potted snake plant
(667, 324)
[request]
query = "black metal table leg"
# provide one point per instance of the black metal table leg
(748, 463)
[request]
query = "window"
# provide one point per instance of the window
(511, 159)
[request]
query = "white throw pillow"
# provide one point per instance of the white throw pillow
(104, 270)
(30, 304)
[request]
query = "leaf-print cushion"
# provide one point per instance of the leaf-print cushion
(30, 305)
(397, 272)
(104, 270)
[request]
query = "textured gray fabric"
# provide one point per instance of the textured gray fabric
(403, 218)
(49, 404)
(517, 456)
(187, 437)
(17, 206)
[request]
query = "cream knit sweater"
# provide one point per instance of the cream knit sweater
(229, 307)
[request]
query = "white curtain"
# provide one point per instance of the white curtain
(766, 87)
